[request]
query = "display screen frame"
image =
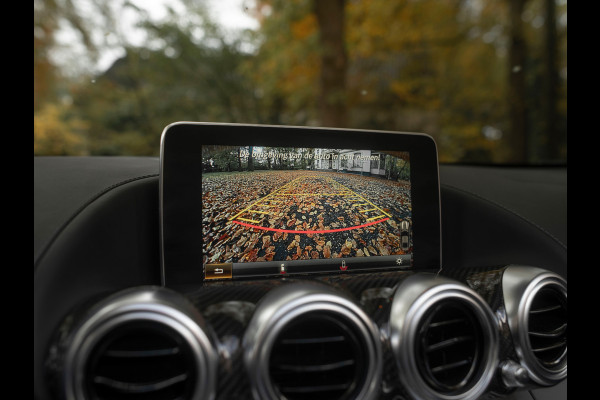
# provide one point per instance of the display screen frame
(181, 190)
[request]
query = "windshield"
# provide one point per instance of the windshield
(486, 78)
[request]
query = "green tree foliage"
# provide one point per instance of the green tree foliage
(184, 78)
(226, 160)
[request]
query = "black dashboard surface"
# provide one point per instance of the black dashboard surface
(96, 230)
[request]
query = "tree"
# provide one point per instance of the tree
(55, 134)
(225, 159)
(285, 67)
(551, 84)
(250, 158)
(185, 78)
(421, 65)
(332, 94)
(517, 93)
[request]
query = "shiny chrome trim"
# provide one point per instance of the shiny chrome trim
(141, 304)
(160, 204)
(520, 284)
(284, 304)
(413, 298)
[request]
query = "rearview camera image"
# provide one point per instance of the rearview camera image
(263, 204)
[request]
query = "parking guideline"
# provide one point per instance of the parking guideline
(339, 190)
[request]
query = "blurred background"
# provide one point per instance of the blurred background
(486, 78)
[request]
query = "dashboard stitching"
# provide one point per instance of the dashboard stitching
(83, 207)
(507, 210)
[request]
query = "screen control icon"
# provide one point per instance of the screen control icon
(343, 267)
(218, 271)
(405, 235)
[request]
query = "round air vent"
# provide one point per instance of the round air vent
(548, 327)
(450, 346)
(536, 308)
(317, 356)
(147, 344)
(444, 338)
(308, 342)
(141, 357)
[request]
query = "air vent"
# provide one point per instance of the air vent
(307, 341)
(317, 356)
(444, 338)
(450, 347)
(536, 307)
(141, 358)
(145, 343)
(548, 328)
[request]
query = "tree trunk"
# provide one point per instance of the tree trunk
(334, 60)
(250, 158)
(550, 88)
(517, 94)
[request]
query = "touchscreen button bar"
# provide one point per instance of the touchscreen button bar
(303, 267)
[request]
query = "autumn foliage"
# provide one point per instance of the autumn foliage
(446, 68)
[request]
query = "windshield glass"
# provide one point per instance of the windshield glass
(487, 79)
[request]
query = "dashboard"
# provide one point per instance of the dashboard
(165, 278)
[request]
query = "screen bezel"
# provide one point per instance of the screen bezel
(181, 195)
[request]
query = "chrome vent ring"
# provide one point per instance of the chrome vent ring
(536, 309)
(306, 341)
(142, 342)
(444, 338)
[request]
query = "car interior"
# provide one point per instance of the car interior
(146, 284)
(300, 200)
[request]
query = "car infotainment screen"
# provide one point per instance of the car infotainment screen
(303, 206)
(243, 201)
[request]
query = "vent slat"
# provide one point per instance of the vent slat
(543, 310)
(316, 340)
(316, 368)
(136, 388)
(551, 334)
(448, 343)
(557, 345)
(442, 324)
(315, 389)
(448, 367)
(142, 353)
